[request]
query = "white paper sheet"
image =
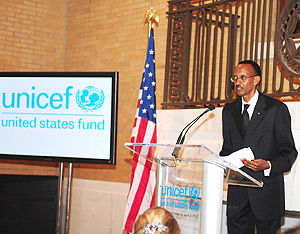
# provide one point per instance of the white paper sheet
(235, 157)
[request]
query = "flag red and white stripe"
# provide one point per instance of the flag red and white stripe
(141, 195)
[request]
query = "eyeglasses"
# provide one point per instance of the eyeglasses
(241, 78)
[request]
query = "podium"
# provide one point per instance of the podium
(190, 183)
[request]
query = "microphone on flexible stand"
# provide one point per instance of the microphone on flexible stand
(184, 131)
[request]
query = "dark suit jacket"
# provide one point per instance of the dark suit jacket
(269, 137)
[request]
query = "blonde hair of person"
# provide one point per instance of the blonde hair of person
(156, 220)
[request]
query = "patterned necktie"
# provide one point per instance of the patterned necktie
(245, 117)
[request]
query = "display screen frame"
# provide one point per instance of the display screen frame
(110, 158)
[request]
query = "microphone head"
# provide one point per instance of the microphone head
(211, 107)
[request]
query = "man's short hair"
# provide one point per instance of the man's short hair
(255, 66)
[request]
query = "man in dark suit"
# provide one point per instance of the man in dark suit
(265, 127)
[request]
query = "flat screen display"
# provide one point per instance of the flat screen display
(59, 116)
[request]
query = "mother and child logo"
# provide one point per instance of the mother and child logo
(90, 98)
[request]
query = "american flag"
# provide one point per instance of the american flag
(143, 176)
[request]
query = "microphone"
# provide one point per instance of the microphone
(184, 131)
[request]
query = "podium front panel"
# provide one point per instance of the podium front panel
(180, 193)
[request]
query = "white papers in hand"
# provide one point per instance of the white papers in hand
(235, 157)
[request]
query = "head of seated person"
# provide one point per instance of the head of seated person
(156, 220)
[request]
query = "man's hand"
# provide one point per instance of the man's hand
(256, 165)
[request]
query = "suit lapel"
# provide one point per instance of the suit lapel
(238, 117)
(257, 116)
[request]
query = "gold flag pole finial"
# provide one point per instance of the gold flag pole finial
(151, 18)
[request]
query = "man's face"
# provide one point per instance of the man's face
(245, 89)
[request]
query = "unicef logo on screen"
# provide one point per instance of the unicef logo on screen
(90, 98)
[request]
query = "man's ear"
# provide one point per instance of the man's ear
(256, 80)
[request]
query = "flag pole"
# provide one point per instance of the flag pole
(151, 18)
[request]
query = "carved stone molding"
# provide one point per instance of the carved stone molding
(287, 38)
